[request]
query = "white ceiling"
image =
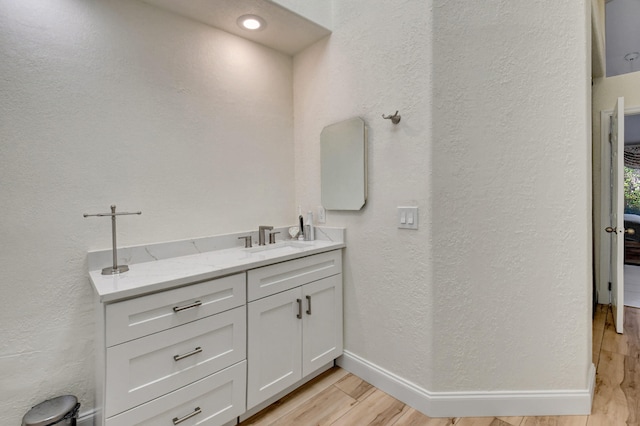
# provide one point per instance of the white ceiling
(286, 31)
(622, 29)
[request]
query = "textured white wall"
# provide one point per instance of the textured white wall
(512, 220)
(605, 93)
(597, 38)
(493, 292)
(377, 61)
(117, 102)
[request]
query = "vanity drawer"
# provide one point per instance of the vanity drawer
(145, 315)
(219, 398)
(146, 368)
(268, 280)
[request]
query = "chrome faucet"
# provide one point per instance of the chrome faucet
(261, 238)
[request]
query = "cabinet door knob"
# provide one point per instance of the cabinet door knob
(299, 316)
(308, 305)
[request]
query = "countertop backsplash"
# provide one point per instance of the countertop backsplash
(99, 259)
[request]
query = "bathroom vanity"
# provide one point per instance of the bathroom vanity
(210, 337)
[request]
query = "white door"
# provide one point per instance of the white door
(274, 347)
(322, 324)
(616, 213)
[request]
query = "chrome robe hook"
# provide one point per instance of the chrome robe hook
(395, 118)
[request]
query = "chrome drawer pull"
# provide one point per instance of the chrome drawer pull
(309, 304)
(182, 308)
(299, 315)
(188, 354)
(177, 421)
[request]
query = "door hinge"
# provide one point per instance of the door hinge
(609, 286)
(611, 129)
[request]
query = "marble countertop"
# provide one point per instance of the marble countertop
(162, 274)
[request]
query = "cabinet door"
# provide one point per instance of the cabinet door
(322, 323)
(274, 349)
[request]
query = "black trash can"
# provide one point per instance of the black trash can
(59, 411)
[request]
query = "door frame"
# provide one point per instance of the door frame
(605, 193)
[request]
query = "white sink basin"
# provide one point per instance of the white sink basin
(282, 245)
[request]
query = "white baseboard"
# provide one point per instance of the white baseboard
(86, 418)
(472, 404)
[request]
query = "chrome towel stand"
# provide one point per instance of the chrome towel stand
(115, 269)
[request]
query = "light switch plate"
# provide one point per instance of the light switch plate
(408, 217)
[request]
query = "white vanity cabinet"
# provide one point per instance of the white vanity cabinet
(208, 338)
(294, 322)
(174, 357)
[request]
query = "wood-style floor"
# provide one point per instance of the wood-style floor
(338, 398)
(632, 285)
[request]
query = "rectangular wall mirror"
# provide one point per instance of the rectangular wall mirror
(343, 157)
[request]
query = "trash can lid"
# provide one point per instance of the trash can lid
(49, 411)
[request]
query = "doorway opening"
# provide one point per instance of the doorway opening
(631, 188)
(632, 211)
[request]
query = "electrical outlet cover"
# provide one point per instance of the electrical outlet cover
(322, 215)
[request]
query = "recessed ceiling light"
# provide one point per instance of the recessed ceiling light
(251, 22)
(631, 56)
